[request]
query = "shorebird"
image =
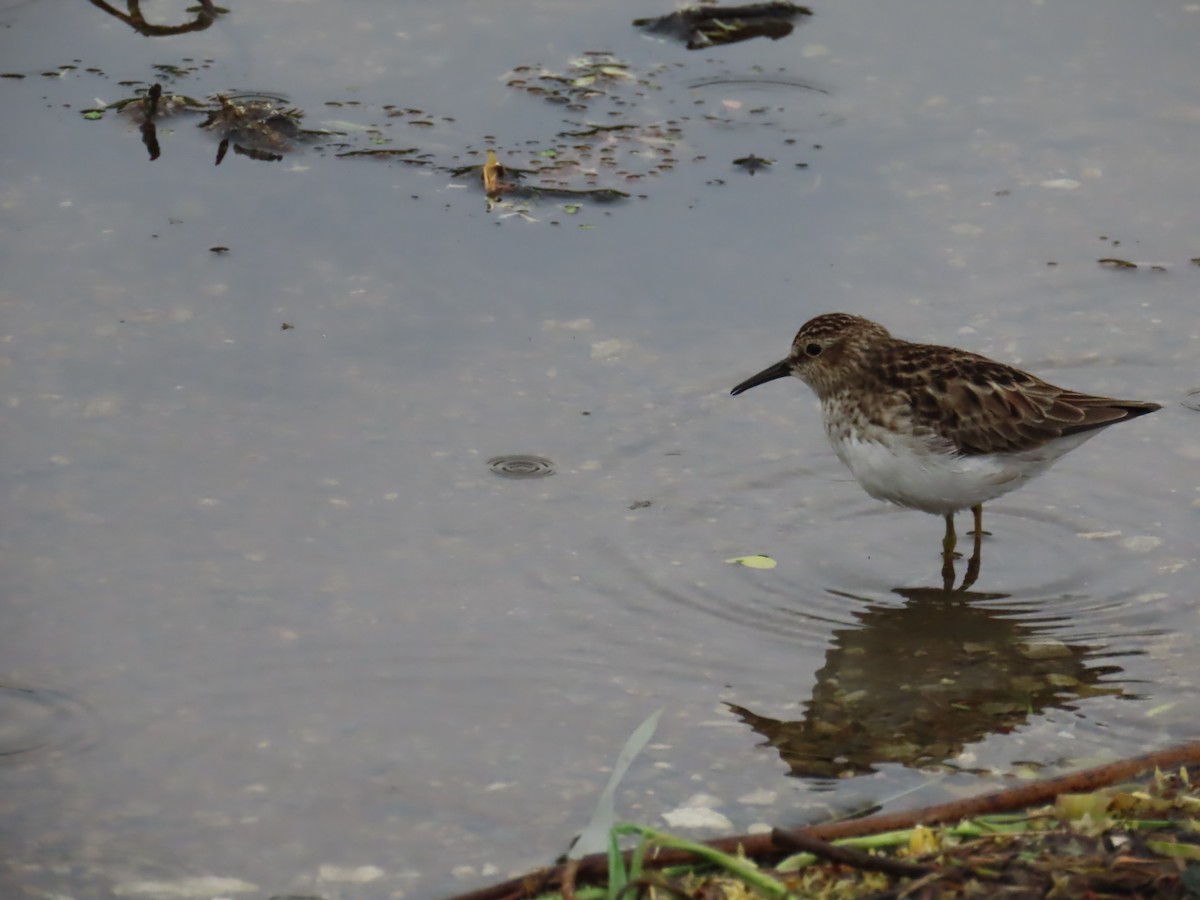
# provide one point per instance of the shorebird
(937, 428)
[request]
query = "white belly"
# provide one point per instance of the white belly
(908, 473)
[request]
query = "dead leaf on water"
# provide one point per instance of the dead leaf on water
(492, 170)
(755, 561)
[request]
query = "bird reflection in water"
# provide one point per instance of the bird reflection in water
(914, 684)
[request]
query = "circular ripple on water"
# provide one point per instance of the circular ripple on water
(521, 465)
(38, 721)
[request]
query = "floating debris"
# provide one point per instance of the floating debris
(156, 103)
(254, 125)
(389, 153)
(753, 163)
(754, 561)
(206, 14)
(492, 173)
(707, 26)
(616, 136)
(606, 143)
(500, 181)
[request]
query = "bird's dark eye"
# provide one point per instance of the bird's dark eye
(813, 349)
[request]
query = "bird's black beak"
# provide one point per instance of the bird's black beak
(781, 369)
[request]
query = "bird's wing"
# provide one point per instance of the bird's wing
(982, 406)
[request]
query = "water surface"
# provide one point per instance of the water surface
(269, 616)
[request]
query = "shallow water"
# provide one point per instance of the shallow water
(269, 616)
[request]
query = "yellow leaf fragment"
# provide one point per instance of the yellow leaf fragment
(1076, 806)
(922, 841)
(756, 561)
(492, 171)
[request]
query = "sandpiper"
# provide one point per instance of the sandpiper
(937, 428)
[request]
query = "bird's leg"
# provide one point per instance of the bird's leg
(977, 509)
(951, 538)
(973, 562)
(948, 543)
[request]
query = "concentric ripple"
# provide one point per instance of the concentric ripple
(35, 721)
(521, 465)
